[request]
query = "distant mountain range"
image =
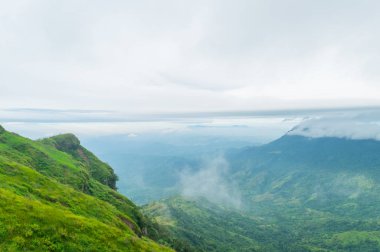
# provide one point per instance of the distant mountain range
(300, 193)
(296, 193)
(321, 173)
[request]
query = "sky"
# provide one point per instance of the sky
(256, 127)
(188, 56)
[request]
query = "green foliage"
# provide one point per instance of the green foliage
(355, 240)
(29, 225)
(298, 194)
(203, 226)
(50, 201)
(207, 227)
(97, 169)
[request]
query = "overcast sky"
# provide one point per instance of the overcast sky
(165, 56)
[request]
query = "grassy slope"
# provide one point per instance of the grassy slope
(97, 169)
(49, 201)
(207, 227)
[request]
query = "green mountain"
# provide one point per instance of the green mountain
(331, 175)
(298, 194)
(205, 226)
(57, 196)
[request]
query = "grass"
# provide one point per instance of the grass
(52, 199)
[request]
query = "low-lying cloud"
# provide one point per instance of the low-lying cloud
(211, 182)
(350, 125)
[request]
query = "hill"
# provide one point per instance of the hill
(57, 196)
(205, 226)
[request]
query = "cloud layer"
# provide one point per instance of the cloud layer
(347, 125)
(188, 55)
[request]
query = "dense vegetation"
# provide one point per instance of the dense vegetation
(298, 194)
(98, 170)
(57, 196)
(203, 226)
(208, 227)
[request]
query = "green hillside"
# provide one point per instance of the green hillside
(98, 170)
(57, 196)
(203, 226)
(209, 227)
(332, 176)
(298, 194)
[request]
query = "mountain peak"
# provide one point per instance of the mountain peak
(66, 141)
(70, 144)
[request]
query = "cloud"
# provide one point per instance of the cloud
(259, 126)
(350, 125)
(145, 56)
(132, 135)
(211, 182)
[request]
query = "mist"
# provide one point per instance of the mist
(212, 183)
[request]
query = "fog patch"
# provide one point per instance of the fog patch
(211, 182)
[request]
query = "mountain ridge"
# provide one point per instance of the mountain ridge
(70, 144)
(51, 201)
(313, 194)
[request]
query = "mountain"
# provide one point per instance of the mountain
(98, 170)
(205, 226)
(298, 194)
(324, 190)
(55, 195)
(334, 175)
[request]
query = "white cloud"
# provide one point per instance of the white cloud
(145, 56)
(347, 125)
